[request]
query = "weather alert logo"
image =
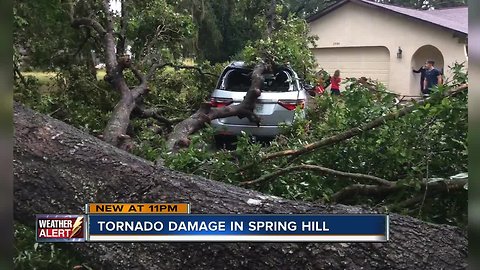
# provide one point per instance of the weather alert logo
(60, 228)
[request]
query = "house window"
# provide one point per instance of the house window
(465, 47)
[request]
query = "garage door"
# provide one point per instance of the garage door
(370, 62)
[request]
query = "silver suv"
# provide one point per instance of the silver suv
(281, 94)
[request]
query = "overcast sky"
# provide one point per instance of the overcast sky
(115, 5)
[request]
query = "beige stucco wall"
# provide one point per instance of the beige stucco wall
(355, 25)
(371, 61)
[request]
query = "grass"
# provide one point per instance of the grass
(47, 79)
(44, 77)
(100, 74)
(189, 62)
(48, 83)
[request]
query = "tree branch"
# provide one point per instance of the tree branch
(141, 79)
(76, 23)
(179, 137)
(361, 189)
(271, 18)
(155, 113)
(356, 130)
(83, 43)
(445, 185)
(109, 43)
(155, 67)
(164, 107)
(142, 87)
(323, 170)
(123, 28)
(407, 203)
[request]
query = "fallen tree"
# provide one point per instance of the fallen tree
(382, 187)
(111, 32)
(205, 114)
(57, 169)
(355, 131)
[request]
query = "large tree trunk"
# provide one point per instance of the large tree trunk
(119, 120)
(116, 128)
(58, 169)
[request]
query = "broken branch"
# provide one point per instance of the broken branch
(76, 23)
(155, 113)
(445, 185)
(320, 169)
(356, 130)
(179, 137)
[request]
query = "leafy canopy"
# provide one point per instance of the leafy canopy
(289, 44)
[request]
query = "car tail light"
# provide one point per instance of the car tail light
(220, 102)
(292, 104)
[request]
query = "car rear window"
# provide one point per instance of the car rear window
(239, 80)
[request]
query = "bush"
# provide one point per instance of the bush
(74, 98)
(32, 255)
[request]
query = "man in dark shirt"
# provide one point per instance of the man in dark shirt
(422, 70)
(433, 77)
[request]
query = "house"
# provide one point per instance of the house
(384, 42)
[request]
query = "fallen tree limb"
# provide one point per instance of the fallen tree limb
(119, 120)
(155, 113)
(179, 137)
(319, 169)
(356, 130)
(354, 190)
(408, 203)
(58, 168)
(76, 23)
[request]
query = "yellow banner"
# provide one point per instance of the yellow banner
(138, 208)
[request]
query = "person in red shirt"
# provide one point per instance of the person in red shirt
(335, 82)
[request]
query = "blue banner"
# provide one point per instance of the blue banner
(238, 228)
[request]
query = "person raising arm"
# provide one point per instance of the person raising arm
(433, 77)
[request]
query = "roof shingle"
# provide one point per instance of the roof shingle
(451, 18)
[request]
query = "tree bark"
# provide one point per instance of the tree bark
(271, 18)
(117, 125)
(57, 169)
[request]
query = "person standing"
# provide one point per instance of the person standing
(422, 70)
(433, 77)
(335, 83)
